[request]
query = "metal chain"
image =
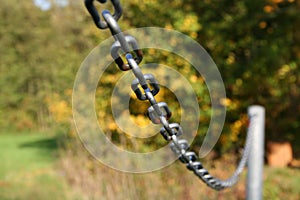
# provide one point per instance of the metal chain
(146, 87)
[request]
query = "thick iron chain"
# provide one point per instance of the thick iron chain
(146, 87)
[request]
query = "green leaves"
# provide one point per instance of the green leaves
(255, 44)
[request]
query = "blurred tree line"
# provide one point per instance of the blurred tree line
(255, 44)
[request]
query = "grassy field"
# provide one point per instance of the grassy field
(31, 169)
(27, 169)
(174, 182)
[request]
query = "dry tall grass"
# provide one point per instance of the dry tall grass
(92, 180)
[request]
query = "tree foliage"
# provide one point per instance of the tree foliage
(255, 44)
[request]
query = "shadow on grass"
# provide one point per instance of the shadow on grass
(47, 144)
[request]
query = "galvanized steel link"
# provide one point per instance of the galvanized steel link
(89, 4)
(116, 30)
(144, 84)
(175, 130)
(160, 109)
(138, 57)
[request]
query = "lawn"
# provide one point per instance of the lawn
(30, 168)
(27, 169)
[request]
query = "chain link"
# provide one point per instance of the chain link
(89, 4)
(116, 48)
(146, 87)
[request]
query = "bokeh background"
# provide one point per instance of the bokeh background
(255, 44)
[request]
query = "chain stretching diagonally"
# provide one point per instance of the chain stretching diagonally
(146, 87)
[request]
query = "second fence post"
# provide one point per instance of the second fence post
(256, 157)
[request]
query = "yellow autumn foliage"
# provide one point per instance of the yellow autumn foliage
(236, 128)
(59, 109)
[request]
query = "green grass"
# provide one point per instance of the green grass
(281, 183)
(27, 169)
